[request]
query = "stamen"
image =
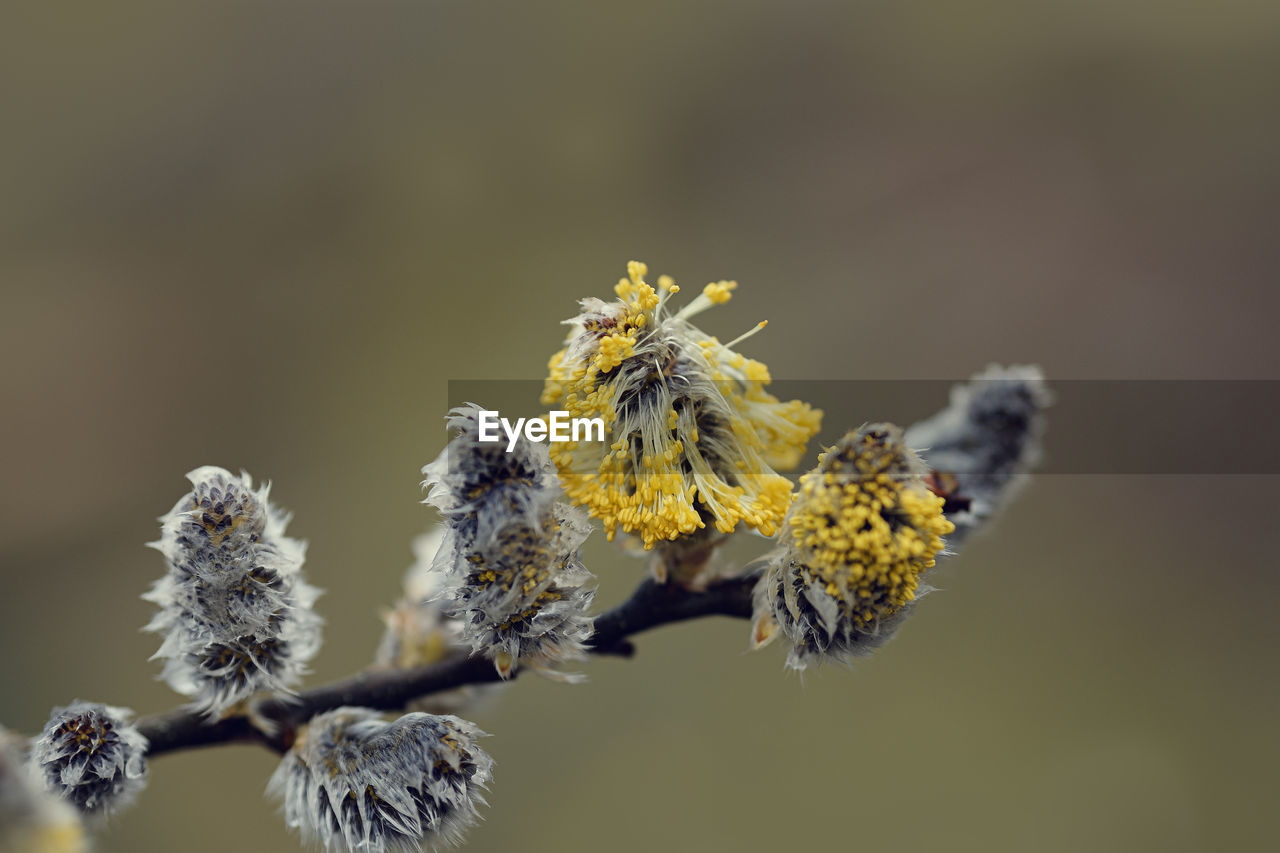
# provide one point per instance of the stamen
(758, 326)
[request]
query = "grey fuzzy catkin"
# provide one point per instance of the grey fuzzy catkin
(91, 756)
(235, 613)
(419, 632)
(987, 438)
(354, 782)
(510, 565)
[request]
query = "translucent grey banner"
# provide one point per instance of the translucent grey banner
(1094, 426)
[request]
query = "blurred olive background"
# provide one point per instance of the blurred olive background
(266, 235)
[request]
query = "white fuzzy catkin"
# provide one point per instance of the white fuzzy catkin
(235, 612)
(91, 756)
(354, 782)
(510, 562)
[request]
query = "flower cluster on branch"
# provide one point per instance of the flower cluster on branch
(693, 448)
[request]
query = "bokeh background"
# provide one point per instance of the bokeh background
(267, 235)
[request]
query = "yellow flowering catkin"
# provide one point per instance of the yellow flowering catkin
(862, 531)
(692, 436)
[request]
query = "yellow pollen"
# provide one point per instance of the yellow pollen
(657, 475)
(865, 537)
(719, 292)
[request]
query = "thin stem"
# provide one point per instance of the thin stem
(273, 722)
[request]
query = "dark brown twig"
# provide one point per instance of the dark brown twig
(272, 722)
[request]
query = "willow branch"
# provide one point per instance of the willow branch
(273, 722)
